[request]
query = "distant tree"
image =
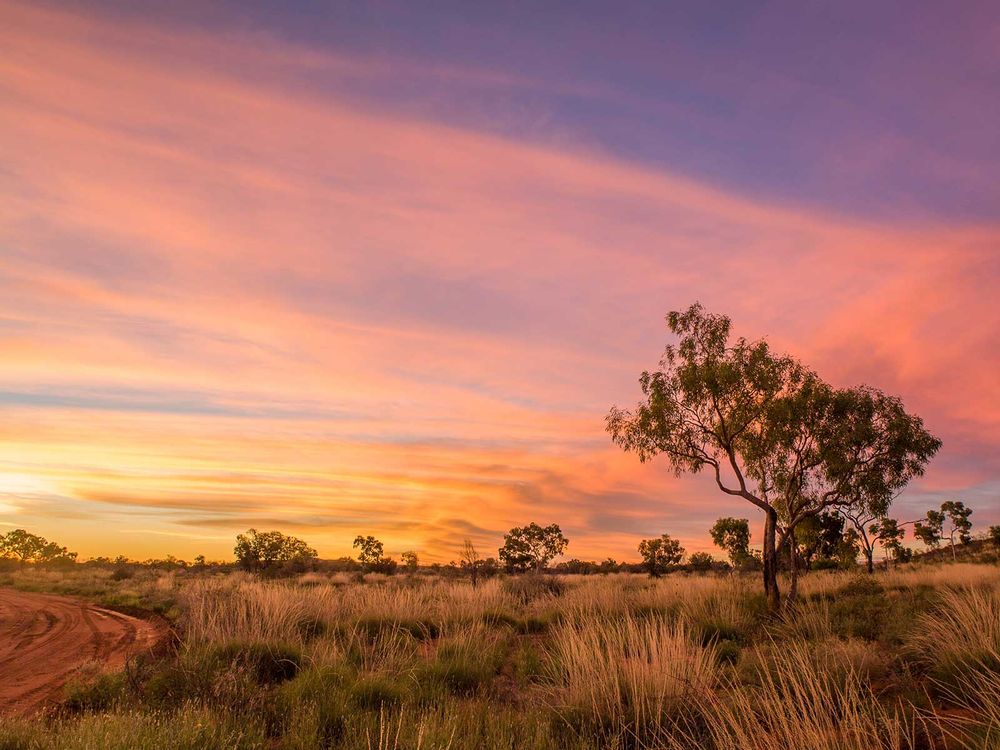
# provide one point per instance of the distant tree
(25, 547)
(410, 561)
(873, 528)
(995, 535)
(929, 531)
(733, 536)
(22, 545)
(770, 431)
(660, 554)
(701, 561)
(370, 549)
(264, 551)
(470, 561)
(889, 533)
(54, 554)
(610, 565)
(370, 555)
(489, 567)
(847, 550)
(819, 537)
(957, 515)
(531, 546)
(384, 565)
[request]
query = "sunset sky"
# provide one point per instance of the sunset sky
(384, 267)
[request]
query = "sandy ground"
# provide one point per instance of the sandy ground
(45, 640)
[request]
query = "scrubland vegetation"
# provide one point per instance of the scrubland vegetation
(903, 659)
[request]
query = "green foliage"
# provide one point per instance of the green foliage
(375, 692)
(769, 430)
(463, 668)
(532, 547)
(727, 652)
(819, 537)
(410, 561)
(267, 663)
(225, 674)
(264, 551)
(890, 534)
(374, 627)
(733, 535)
(929, 531)
(994, 535)
(701, 561)
(26, 547)
(311, 708)
(958, 516)
(100, 694)
(371, 557)
(370, 549)
(660, 554)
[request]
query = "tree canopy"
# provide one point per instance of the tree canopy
(26, 547)
(532, 546)
(733, 535)
(660, 554)
(769, 430)
(263, 551)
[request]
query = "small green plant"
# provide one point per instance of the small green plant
(100, 694)
(375, 692)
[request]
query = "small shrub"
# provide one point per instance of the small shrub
(101, 694)
(374, 627)
(527, 664)
(531, 586)
(376, 692)
(716, 630)
(267, 663)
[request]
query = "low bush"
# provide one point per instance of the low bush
(100, 694)
(376, 692)
(532, 586)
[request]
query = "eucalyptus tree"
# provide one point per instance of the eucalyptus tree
(263, 551)
(957, 514)
(929, 530)
(532, 546)
(994, 535)
(770, 431)
(660, 554)
(733, 535)
(872, 529)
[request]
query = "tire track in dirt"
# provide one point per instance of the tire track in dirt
(46, 639)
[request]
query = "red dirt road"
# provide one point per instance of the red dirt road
(46, 639)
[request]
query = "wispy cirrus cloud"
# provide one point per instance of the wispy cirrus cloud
(231, 295)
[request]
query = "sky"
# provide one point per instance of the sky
(384, 267)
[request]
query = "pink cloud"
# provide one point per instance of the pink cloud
(346, 316)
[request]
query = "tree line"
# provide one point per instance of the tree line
(823, 541)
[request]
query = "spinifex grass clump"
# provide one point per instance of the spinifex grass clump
(960, 637)
(793, 703)
(629, 677)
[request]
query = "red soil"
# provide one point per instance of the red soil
(46, 639)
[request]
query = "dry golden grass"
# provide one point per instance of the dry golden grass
(579, 663)
(795, 704)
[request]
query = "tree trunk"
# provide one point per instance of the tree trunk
(770, 560)
(870, 560)
(793, 568)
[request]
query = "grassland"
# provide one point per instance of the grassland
(899, 660)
